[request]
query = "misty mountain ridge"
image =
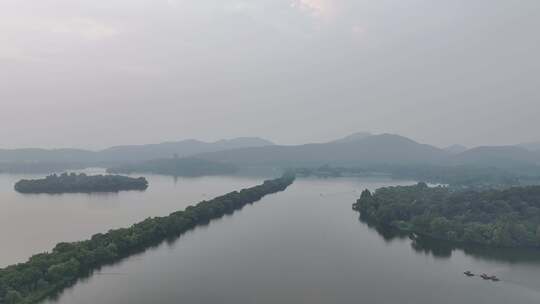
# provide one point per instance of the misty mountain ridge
(181, 148)
(353, 137)
(455, 149)
(129, 153)
(358, 149)
(497, 156)
(370, 150)
(532, 146)
(377, 150)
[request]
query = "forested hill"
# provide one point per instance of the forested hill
(509, 218)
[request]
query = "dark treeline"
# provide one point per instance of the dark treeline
(468, 176)
(71, 183)
(47, 273)
(443, 248)
(190, 166)
(456, 176)
(506, 218)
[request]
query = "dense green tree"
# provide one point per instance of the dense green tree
(440, 227)
(13, 297)
(63, 271)
(509, 217)
(2, 290)
(81, 183)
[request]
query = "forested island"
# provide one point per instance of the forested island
(505, 218)
(190, 166)
(80, 183)
(47, 273)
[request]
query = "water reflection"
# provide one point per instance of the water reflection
(138, 252)
(43, 220)
(301, 247)
(444, 249)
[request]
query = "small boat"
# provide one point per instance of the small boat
(468, 273)
(487, 277)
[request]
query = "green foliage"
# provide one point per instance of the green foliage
(46, 272)
(63, 271)
(509, 218)
(13, 297)
(65, 183)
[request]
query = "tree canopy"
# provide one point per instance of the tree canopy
(65, 183)
(508, 218)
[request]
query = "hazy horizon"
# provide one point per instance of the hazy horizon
(97, 74)
(211, 141)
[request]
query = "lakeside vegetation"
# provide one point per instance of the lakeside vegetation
(457, 177)
(177, 167)
(47, 273)
(73, 183)
(504, 218)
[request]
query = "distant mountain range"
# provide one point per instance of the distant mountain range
(501, 156)
(130, 153)
(181, 149)
(363, 151)
(353, 137)
(532, 146)
(456, 149)
(359, 149)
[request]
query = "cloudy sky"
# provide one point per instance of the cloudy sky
(95, 73)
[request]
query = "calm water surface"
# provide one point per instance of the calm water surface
(304, 245)
(32, 223)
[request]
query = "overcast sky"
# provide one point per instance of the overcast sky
(95, 73)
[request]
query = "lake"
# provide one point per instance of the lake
(32, 223)
(304, 245)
